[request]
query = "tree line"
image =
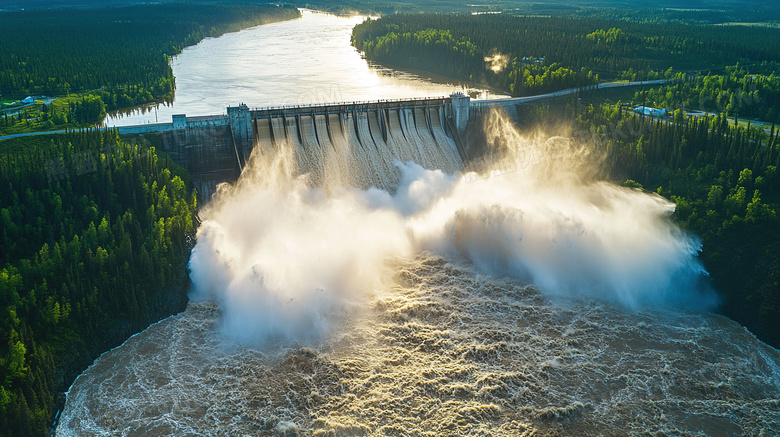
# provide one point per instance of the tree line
(463, 46)
(724, 181)
(738, 92)
(679, 12)
(96, 234)
(120, 54)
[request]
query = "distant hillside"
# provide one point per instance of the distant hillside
(662, 11)
(48, 4)
(699, 11)
(723, 5)
(54, 4)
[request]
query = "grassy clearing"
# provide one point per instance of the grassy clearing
(40, 117)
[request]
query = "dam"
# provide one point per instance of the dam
(445, 305)
(370, 136)
(449, 337)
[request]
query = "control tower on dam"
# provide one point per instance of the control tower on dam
(215, 149)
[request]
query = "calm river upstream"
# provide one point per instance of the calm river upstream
(300, 62)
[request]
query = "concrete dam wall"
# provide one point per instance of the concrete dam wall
(359, 148)
(207, 153)
(354, 144)
(202, 145)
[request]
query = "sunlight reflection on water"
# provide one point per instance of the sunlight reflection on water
(298, 62)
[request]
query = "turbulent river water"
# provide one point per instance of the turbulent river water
(530, 298)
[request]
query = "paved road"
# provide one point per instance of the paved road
(48, 132)
(496, 102)
(516, 100)
(17, 109)
(29, 134)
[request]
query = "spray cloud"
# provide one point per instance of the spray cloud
(497, 62)
(286, 260)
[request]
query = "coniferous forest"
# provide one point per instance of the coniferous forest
(720, 171)
(96, 230)
(96, 234)
(726, 186)
(542, 54)
(120, 54)
(749, 93)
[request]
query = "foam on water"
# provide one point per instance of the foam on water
(446, 351)
(320, 308)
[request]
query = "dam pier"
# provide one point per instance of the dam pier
(215, 149)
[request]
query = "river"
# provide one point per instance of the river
(530, 300)
(299, 62)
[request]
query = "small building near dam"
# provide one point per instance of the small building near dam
(653, 112)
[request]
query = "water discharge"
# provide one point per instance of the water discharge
(289, 246)
(325, 305)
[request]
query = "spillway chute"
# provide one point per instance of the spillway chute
(358, 146)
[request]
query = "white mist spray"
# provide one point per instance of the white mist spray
(286, 260)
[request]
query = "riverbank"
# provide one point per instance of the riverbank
(92, 76)
(112, 271)
(94, 251)
(167, 304)
(285, 69)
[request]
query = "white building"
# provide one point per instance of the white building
(653, 112)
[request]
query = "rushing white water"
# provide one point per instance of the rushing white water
(283, 251)
(447, 351)
(321, 308)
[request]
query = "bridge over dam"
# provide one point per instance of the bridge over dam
(428, 131)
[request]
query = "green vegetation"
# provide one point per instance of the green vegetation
(664, 11)
(438, 51)
(757, 13)
(724, 181)
(120, 55)
(726, 186)
(95, 238)
(747, 93)
(575, 52)
(95, 231)
(73, 111)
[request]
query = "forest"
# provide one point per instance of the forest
(723, 179)
(726, 186)
(749, 93)
(119, 54)
(534, 55)
(96, 233)
(664, 11)
(720, 167)
(97, 230)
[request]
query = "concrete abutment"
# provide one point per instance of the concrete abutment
(215, 149)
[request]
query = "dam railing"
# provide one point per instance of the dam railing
(331, 108)
(216, 148)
